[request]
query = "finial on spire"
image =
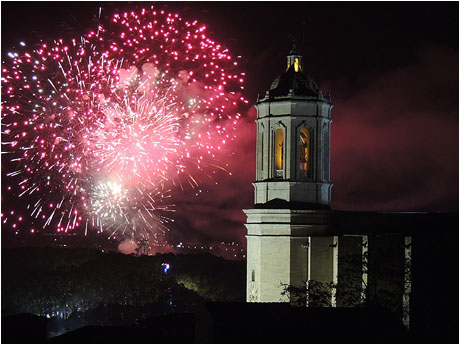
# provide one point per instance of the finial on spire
(294, 50)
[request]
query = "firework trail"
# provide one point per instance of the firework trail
(98, 130)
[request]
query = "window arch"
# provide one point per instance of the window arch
(304, 158)
(279, 151)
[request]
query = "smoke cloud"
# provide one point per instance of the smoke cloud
(127, 247)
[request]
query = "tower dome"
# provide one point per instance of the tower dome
(299, 83)
(294, 81)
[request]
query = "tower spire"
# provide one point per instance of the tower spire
(294, 50)
(294, 58)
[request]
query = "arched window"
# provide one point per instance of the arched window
(253, 276)
(304, 149)
(279, 146)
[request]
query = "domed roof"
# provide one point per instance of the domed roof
(301, 84)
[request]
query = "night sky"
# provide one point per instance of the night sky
(391, 69)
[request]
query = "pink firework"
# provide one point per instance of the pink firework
(167, 57)
(99, 130)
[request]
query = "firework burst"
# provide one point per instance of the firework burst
(98, 130)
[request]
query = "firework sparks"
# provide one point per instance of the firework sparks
(100, 129)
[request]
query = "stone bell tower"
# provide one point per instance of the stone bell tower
(293, 135)
(292, 187)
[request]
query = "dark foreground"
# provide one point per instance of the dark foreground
(232, 322)
(92, 297)
(226, 323)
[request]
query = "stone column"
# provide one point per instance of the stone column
(365, 267)
(323, 270)
(407, 280)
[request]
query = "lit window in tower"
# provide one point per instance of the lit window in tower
(304, 149)
(279, 146)
(296, 65)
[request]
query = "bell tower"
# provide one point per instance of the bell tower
(292, 187)
(293, 136)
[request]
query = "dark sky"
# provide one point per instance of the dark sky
(392, 71)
